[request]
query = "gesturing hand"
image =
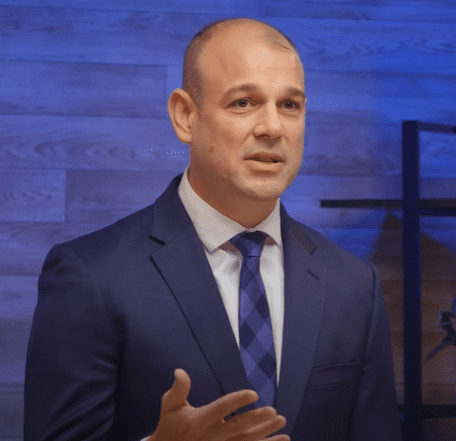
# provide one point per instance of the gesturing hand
(179, 421)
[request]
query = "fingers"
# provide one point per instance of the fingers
(263, 430)
(252, 417)
(278, 438)
(227, 404)
(255, 424)
(176, 397)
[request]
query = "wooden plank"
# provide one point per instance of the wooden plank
(437, 154)
(342, 148)
(363, 187)
(394, 10)
(43, 88)
(18, 297)
(82, 89)
(96, 36)
(154, 37)
(13, 350)
(32, 195)
(11, 411)
(391, 97)
(351, 148)
(24, 245)
(90, 143)
(375, 46)
(391, 10)
(181, 6)
(105, 196)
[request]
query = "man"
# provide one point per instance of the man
(162, 294)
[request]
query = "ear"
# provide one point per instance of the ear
(181, 109)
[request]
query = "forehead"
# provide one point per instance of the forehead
(239, 55)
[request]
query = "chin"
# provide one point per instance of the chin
(265, 191)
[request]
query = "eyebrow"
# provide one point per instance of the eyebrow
(249, 87)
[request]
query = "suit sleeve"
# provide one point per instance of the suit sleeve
(375, 414)
(71, 367)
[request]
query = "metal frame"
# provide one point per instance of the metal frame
(413, 407)
(412, 282)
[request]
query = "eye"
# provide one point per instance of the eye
(291, 105)
(241, 104)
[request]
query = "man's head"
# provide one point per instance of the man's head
(192, 79)
(242, 109)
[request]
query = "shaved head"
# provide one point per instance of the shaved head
(261, 32)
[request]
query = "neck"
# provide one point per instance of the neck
(246, 212)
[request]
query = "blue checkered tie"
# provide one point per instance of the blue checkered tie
(255, 330)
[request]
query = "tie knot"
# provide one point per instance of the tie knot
(250, 244)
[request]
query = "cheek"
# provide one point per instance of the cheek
(226, 148)
(217, 158)
(299, 143)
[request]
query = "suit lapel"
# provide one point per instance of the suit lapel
(304, 301)
(183, 264)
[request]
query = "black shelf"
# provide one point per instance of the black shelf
(426, 207)
(430, 127)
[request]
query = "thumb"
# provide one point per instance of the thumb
(176, 397)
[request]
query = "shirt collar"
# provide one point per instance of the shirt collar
(214, 228)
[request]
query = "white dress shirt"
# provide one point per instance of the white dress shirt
(215, 230)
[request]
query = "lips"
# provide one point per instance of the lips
(265, 157)
(264, 160)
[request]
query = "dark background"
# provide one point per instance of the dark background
(85, 139)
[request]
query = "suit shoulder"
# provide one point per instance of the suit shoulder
(125, 232)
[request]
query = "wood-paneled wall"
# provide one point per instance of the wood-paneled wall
(85, 138)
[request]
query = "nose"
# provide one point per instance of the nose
(269, 124)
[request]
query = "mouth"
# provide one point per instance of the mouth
(272, 159)
(263, 160)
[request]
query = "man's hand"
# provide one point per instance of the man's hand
(179, 421)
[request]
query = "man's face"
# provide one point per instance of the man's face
(247, 139)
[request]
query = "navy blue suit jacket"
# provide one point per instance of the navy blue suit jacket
(119, 309)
